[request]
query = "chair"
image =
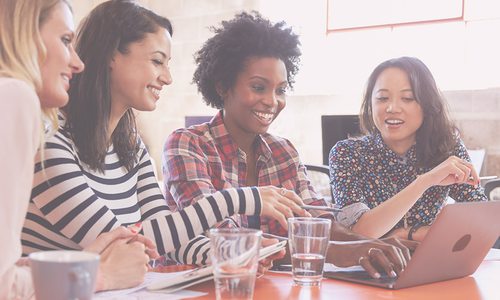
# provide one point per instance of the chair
(319, 176)
(492, 191)
(195, 120)
(335, 128)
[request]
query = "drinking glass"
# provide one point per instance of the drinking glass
(235, 253)
(308, 241)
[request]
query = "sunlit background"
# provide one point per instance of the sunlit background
(342, 41)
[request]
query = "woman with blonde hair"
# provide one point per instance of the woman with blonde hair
(37, 61)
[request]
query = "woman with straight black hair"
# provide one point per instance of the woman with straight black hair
(396, 179)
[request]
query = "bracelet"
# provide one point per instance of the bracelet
(413, 229)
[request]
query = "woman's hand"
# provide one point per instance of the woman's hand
(124, 258)
(452, 170)
(123, 264)
(267, 263)
(390, 255)
(281, 204)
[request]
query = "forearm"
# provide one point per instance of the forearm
(341, 233)
(381, 219)
(195, 252)
(173, 230)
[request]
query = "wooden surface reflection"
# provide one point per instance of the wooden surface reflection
(484, 284)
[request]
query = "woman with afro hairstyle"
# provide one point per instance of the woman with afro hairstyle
(245, 70)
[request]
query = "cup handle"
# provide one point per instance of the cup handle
(81, 284)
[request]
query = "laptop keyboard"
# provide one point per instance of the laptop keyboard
(362, 275)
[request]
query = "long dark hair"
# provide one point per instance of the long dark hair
(436, 138)
(111, 26)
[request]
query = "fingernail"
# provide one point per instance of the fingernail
(393, 274)
(377, 275)
(138, 224)
(133, 230)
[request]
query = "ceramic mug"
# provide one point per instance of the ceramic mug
(62, 275)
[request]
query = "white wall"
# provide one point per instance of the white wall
(463, 56)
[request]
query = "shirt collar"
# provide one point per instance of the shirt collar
(410, 155)
(227, 145)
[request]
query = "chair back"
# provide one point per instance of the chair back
(195, 120)
(492, 189)
(335, 128)
(319, 176)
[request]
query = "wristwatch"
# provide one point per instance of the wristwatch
(413, 229)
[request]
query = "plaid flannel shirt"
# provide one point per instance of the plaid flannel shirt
(203, 159)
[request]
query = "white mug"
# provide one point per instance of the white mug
(62, 275)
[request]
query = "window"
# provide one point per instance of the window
(352, 14)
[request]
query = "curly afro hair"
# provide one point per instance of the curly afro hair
(223, 56)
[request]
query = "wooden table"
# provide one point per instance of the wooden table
(483, 284)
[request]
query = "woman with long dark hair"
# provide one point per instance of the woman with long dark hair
(396, 179)
(97, 172)
(37, 60)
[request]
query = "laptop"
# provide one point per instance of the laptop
(454, 247)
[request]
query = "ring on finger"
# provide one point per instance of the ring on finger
(282, 191)
(370, 251)
(360, 259)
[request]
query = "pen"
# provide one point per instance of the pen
(488, 177)
(325, 208)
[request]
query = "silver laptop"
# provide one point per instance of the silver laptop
(454, 247)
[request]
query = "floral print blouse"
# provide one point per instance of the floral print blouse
(365, 172)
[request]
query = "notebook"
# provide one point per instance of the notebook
(203, 274)
(454, 247)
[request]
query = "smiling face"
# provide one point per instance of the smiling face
(61, 60)
(257, 97)
(396, 112)
(138, 75)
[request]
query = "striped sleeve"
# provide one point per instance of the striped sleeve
(62, 202)
(178, 234)
(75, 204)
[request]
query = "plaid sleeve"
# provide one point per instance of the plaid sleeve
(302, 185)
(306, 191)
(185, 170)
(299, 182)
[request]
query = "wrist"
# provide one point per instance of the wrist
(423, 182)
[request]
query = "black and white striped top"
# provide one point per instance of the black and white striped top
(71, 205)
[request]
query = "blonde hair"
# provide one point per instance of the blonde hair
(21, 47)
